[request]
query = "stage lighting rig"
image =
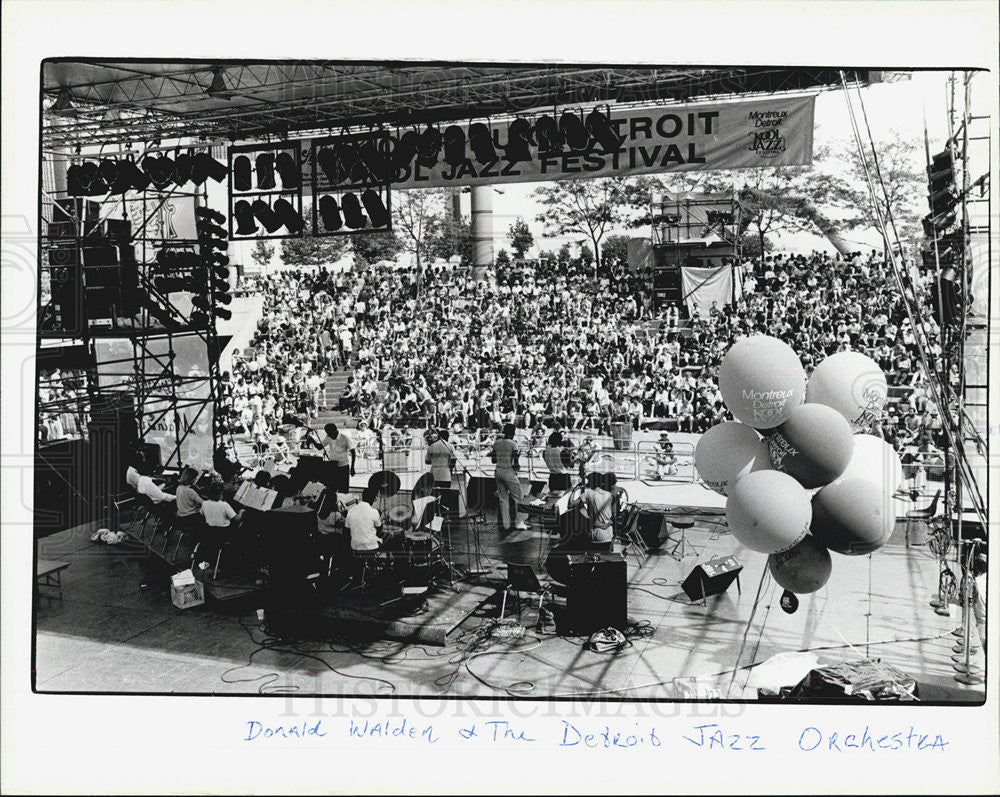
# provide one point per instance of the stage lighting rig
(429, 147)
(519, 141)
(481, 143)
(574, 131)
(375, 207)
(289, 216)
(329, 210)
(405, 150)
(289, 170)
(266, 216)
(265, 171)
(454, 145)
(353, 214)
(548, 135)
(242, 173)
(600, 129)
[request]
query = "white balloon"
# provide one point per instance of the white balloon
(726, 453)
(851, 383)
(877, 461)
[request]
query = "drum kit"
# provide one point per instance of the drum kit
(414, 552)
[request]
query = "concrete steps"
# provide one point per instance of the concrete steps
(334, 387)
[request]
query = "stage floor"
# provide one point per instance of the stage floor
(106, 634)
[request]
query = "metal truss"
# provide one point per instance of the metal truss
(125, 101)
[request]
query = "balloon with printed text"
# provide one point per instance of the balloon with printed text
(761, 381)
(852, 384)
(813, 446)
(726, 453)
(803, 568)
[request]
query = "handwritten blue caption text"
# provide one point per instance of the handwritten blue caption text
(708, 737)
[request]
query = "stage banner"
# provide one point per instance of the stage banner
(702, 286)
(690, 137)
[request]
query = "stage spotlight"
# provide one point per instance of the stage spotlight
(241, 173)
(600, 128)
(243, 213)
(327, 160)
(353, 215)
(221, 272)
(429, 147)
(548, 135)
(265, 171)
(162, 173)
(221, 262)
(289, 216)
(375, 208)
(329, 210)
(201, 302)
(405, 150)
(224, 313)
(183, 164)
(108, 170)
(376, 162)
(263, 213)
(206, 166)
(74, 180)
(573, 131)
(518, 141)
(291, 174)
(349, 168)
(211, 214)
(454, 145)
(481, 143)
(90, 179)
(129, 177)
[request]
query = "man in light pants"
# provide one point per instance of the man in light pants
(504, 456)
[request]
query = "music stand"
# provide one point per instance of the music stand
(522, 578)
(448, 504)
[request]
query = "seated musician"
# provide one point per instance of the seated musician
(598, 503)
(188, 500)
(586, 526)
(218, 513)
(364, 522)
(148, 486)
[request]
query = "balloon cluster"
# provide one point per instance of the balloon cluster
(799, 478)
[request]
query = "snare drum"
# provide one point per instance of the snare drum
(421, 546)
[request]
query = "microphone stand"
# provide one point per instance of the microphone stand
(478, 570)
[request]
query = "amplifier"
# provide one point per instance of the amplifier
(712, 577)
(650, 528)
(596, 593)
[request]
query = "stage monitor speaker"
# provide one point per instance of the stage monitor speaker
(288, 548)
(711, 578)
(596, 593)
(651, 527)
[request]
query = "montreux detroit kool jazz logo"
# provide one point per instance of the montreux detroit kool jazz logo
(767, 404)
(767, 140)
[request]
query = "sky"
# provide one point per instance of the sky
(897, 106)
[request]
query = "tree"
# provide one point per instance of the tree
(520, 237)
(586, 255)
(616, 249)
(262, 253)
(564, 255)
(588, 207)
(418, 214)
(313, 250)
(451, 237)
(375, 246)
(502, 258)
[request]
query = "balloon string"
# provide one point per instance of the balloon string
(746, 631)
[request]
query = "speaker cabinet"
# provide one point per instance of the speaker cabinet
(711, 578)
(596, 593)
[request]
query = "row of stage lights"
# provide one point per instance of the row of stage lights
(204, 273)
(572, 131)
(362, 161)
(120, 175)
(350, 211)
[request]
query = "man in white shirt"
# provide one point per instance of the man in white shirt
(146, 486)
(363, 522)
(340, 452)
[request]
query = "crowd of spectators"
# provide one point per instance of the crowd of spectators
(571, 345)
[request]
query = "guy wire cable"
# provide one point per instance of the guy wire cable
(943, 407)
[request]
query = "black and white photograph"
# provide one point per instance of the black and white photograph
(505, 382)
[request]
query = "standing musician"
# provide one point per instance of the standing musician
(442, 459)
(339, 449)
(505, 456)
(558, 458)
